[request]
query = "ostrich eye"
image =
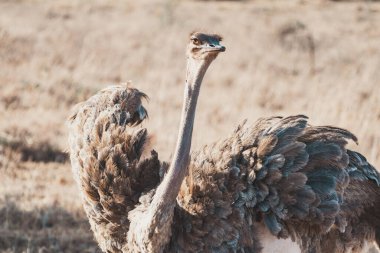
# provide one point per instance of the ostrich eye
(195, 41)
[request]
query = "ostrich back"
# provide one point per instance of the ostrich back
(297, 179)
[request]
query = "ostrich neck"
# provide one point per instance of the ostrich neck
(168, 190)
(154, 228)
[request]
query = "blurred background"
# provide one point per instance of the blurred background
(320, 58)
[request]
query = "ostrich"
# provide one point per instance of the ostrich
(277, 183)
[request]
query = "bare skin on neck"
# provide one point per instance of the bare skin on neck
(201, 51)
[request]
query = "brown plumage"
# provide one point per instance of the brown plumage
(105, 155)
(295, 180)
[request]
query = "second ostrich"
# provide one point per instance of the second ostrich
(277, 179)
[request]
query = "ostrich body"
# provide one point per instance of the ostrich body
(280, 178)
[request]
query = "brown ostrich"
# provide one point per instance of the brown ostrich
(279, 185)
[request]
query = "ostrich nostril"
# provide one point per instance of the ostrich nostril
(212, 45)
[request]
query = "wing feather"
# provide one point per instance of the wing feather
(106, 151)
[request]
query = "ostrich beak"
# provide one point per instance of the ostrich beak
(214, 47)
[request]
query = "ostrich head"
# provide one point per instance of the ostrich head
(204, 46)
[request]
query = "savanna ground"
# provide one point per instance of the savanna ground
(318, 58)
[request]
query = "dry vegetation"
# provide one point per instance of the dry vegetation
(319, 58)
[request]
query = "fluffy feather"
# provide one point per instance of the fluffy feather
(298, 180)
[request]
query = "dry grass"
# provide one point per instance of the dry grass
(319, 58)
